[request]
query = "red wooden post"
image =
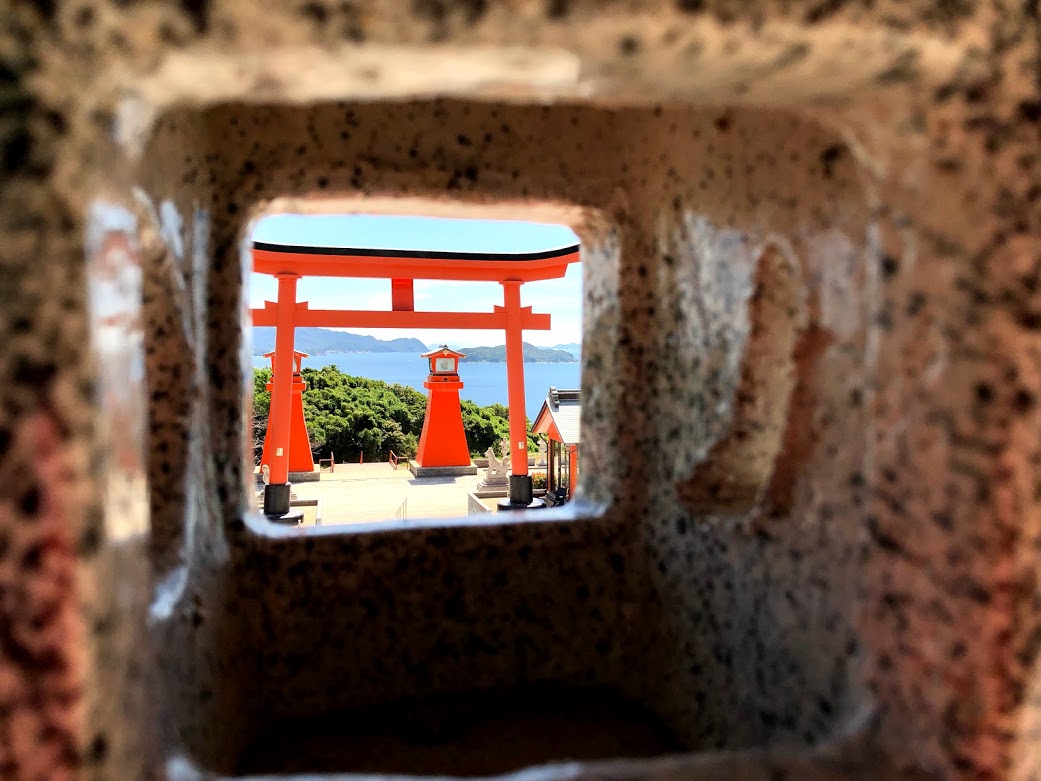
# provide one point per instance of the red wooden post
(282, 380)
(277, 493)
(402, 295)
(520, 482)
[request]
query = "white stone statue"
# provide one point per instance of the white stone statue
(504, 448)
(543, 448)
(496, 468)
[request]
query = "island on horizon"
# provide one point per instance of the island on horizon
(326, 341)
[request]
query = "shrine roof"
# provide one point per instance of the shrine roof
(560, 416)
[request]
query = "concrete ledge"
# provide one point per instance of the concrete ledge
(441, 471)
(474, 506)
(305, 477)
(316, 503)
(493, 493)
(497, 494)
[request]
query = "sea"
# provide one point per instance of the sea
(483, 383)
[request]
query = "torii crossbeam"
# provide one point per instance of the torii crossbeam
(403, 249)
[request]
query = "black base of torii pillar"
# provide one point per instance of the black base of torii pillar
(522, 496)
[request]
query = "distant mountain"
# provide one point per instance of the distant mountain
(532, 354)
(325, 341)
(571, 347)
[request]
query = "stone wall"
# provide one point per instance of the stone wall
(808, 538)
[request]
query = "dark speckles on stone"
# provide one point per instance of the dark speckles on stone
(29, 504)
(952, 10)
(98, 749)
(557, 9)
(890, 266)
(1030, 110)
(984, 393)
(32, 373)
(883, 539)
(198, 12)
(90, 541)
(828, 158)
(1023, 401)
(84, 17)
(977, 592)
(823, 9)
(1029, 320)
(629, 45)
(722, 123)
(32, 557)
(904, 68)
(315, 11)
(915, 303)
(794, 54)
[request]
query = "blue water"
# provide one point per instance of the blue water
(483, 383)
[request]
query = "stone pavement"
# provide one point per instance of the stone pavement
(359, 493)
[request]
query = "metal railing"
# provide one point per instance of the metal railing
(394, 459)
(402, 511)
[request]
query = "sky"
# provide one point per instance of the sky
(560, 298)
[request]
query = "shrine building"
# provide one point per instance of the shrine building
(559, 421)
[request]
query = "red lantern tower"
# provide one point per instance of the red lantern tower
(300, 461)
(442, 445)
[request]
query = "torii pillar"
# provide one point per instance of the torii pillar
(278, 491)
(521, 494)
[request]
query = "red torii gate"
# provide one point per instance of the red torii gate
(287, 263)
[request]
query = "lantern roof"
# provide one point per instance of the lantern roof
(296, 353)
(444, 351)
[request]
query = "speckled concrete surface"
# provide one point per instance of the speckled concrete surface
(810, 538)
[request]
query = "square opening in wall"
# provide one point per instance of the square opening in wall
(413, 366)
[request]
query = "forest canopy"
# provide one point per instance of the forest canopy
(351, 416)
